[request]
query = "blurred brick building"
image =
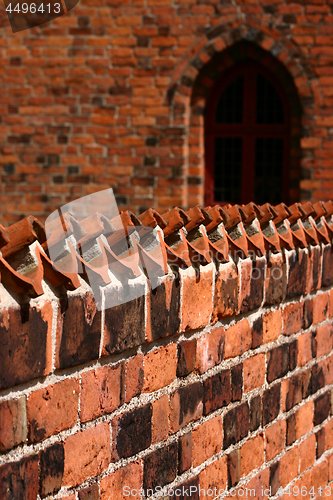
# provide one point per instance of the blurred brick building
(170, 102)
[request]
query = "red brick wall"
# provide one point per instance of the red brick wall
(109, 95)
(221, 380)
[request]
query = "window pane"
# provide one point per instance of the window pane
(230, 106)
(268, 170)
(228, 169)
(269, 104)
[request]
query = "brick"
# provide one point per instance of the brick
(276, 280)
(207, 440)
(289, 466)
(87, 454)
(322, 408)
(197, 304)
(329, 435)
(304, 349)
(252, 284)
(315, 310)
(254, 372)
(155, 378)
(124, 326)
(79, 332)
(252, 454)
(255, 413)
(52, 409)
(29, 355)
(324, 340)
(214, 475)
(327, 273)
(234, 470)
(292, 316)
(271, 403)
(319, 476)
(236, 382)
(272, 326)
(304, 419)
(51, 469)
(100, 391)
(186, 352)
(238, 339)
(259, 484)
(314, 281)
(164, 309)
(274, 477)
(235, 425)
(314, 380)
(134, 377)
(160, 422)
(291, 390)
(277, 362)
(291, 429)
(275, 436)
(160, 467)
(307, 452)
(210, 349)
(130, 476)
(132, 431)
(257, 332)
(320, 439)
(13, 423)
(186, 405)
(89, 493)
(185, 445)
(226, 292)
(298, 272)
(19, 480)
(182, 490)
(216, 392)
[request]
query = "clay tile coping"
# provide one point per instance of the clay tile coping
(283, 213)
(23, 233)
(198, 216)
(218, 215)
(295, 213)
(234, 217)
(329, 208)
(250, 211)
(270, 213)
(176, 218)
(308, 209)
(152, 218)
(320, 209)
(4, 236)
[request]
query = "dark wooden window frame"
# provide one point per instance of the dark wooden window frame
(248, 130)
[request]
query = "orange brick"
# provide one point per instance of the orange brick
(330, 466)
(289, 466)
(155, 378)
(292, 318)
(100, 391)
(304, 419)
(254, 372)
(275, 436)
(130, 476)
(329, 434)
(13, 423)
(197, 300)
(207, 440)
(272, 326)
(324, 338)
(210, 349)
(134, 377)
(319, 476)
(160, 421)
(87, 454)
(238, 339)
(53, 409)
(307, 452)
(304, 349)
(214, 476)
(252, 454)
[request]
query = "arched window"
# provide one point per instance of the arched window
(247, 138)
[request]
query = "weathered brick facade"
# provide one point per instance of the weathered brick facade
(113, 94)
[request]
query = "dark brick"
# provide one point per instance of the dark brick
(293, 351)
(255, 413)
(322, 408)
(297, 280)
(236, 382)
(189, 398)
(327, 269)
(257, 332)
(81, 332)
(160, 467)
(278, 362)
(182, 490)
(291, 430)
(133, 431)
(256, 293)
(294, 395)
(235, 425)
(308, 313)
(185, 452)
(216, 391)
(226, 302)
(234, 467)
(314, 344)
(51, 469)
(276, 284)
(124, 326)
(271, 403)
(274, 478)
(186, 357)
(320, 438)
(24, 356)
(317, 380)
(89, 493)
(19, 480)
